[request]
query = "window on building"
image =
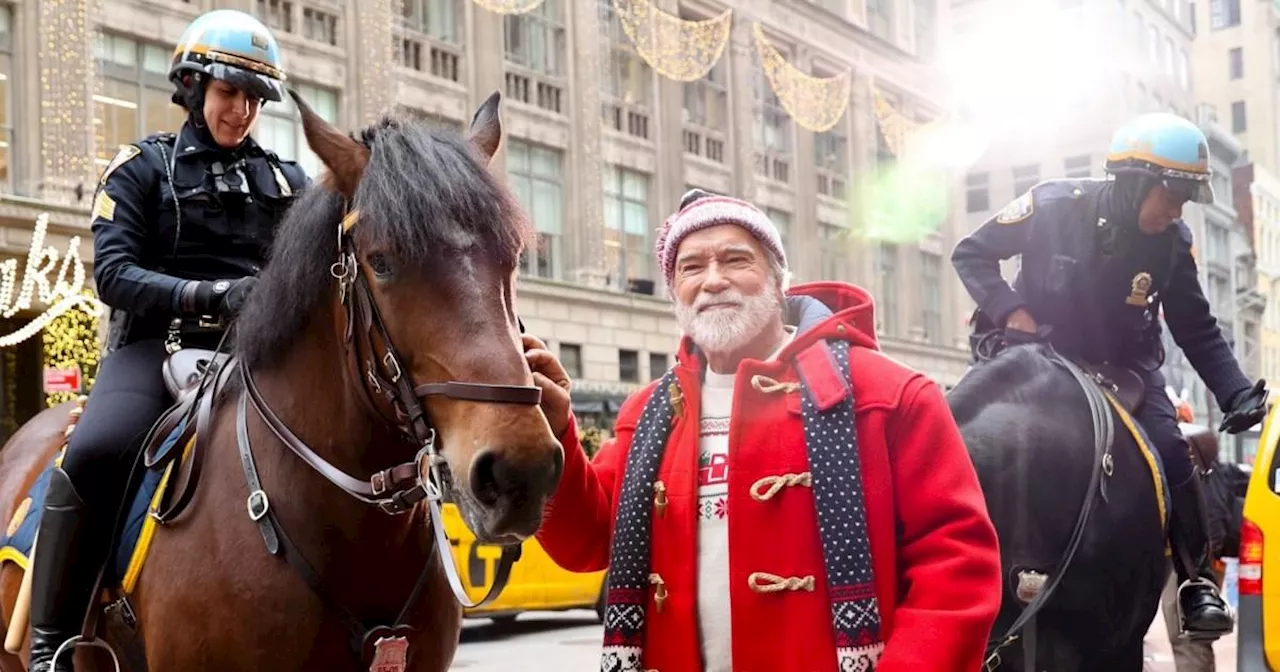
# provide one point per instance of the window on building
(6, 98)
(1170, 58)
(772, 126)
(626, 224)
(432, 39)
(833, 252)
(1184, 70)
(1224, 13)
(536, 176)
(277, 14)
(977, 193)
(280, 125)
(887, 273)
(320, 26)
(1235, 63)
(629, 366)
(1238, 121)
(880, 19)
(926, 24)
(931, 307)
(1077, 166)
(133, 101)
(1025, 177)
(1153, 44)
(571, 359)
(627, 84)
(657, 365)
(706, 113)
(535, 44)
(437, 19)
(782, 220)
(831, 157)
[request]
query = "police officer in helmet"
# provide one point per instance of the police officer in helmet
(181, 223)
(1099, 260)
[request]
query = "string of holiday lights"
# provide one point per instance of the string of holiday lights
(63, 294)
(71, 341)
(894, 125)
(815, 103)
(66, 58)
(377, 46)
(675, 48)
(509, 6)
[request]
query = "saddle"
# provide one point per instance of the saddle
(1124, 384)
(194, 377)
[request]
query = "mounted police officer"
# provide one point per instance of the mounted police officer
(181, 225)
(1099, 259)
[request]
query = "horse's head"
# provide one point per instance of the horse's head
(429, 246)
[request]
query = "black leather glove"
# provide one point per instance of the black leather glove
(218, 298)
(1248, 408)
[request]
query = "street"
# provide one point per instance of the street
(571, 641)
(536, 642)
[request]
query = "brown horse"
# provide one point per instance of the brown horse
(348, 369)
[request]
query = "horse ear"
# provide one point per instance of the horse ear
(486, 127)
(344, 157)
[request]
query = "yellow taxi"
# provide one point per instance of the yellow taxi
(1258, 615)
(537, 583)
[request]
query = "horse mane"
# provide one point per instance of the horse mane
(425, 197)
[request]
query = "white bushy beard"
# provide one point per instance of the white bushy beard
(728, 329)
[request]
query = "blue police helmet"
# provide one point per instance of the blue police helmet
(1167, 147)
(232, 46)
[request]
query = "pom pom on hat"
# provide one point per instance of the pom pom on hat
(701, 209)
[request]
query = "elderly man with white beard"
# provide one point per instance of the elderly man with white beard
(786, 498)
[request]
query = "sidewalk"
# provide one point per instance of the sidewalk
(1159, 655)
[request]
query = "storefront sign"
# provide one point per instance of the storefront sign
(63, 380)
(57, 294)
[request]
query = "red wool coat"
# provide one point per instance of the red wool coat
(934, 549)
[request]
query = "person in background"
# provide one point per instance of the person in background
(786, 498)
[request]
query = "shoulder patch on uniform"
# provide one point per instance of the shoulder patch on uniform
(104, 207)
(1018, 210)
(126, 153)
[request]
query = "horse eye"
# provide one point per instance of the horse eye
(380, 264)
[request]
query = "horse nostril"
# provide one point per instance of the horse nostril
(486, 479)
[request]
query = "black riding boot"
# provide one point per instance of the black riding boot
(1204, 613)
(66, 569)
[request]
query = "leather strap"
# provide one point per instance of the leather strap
(203, 428)
(503, 394)
(258, 504)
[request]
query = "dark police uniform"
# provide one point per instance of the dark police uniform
(168, 209)
(1101, 286)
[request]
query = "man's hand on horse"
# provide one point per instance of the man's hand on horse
(1248, 408)
(549, 375)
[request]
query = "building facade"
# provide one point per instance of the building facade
(599, 148)
(1264, 196)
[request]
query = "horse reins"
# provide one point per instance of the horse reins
(395, 490)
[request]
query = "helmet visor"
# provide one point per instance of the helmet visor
(1193, 191)
(252, 83)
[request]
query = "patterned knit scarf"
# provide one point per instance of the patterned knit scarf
(831, 444)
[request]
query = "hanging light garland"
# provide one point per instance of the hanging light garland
(71, 341)
(815, 103)
(674, 47)
(509, 6)
(377, 44)
(893, 124)
(59, 297)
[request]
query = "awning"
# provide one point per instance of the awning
(596, 402)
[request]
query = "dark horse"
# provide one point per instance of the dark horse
(359, 361)
(1029, 428)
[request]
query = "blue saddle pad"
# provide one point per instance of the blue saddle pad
(18, 537)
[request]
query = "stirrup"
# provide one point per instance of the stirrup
(96, 642)
(1200, 635)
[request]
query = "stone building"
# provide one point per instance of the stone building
(599, 148)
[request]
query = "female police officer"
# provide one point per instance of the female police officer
(181, 224)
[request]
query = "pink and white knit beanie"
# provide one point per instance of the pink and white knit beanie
(699, 210)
